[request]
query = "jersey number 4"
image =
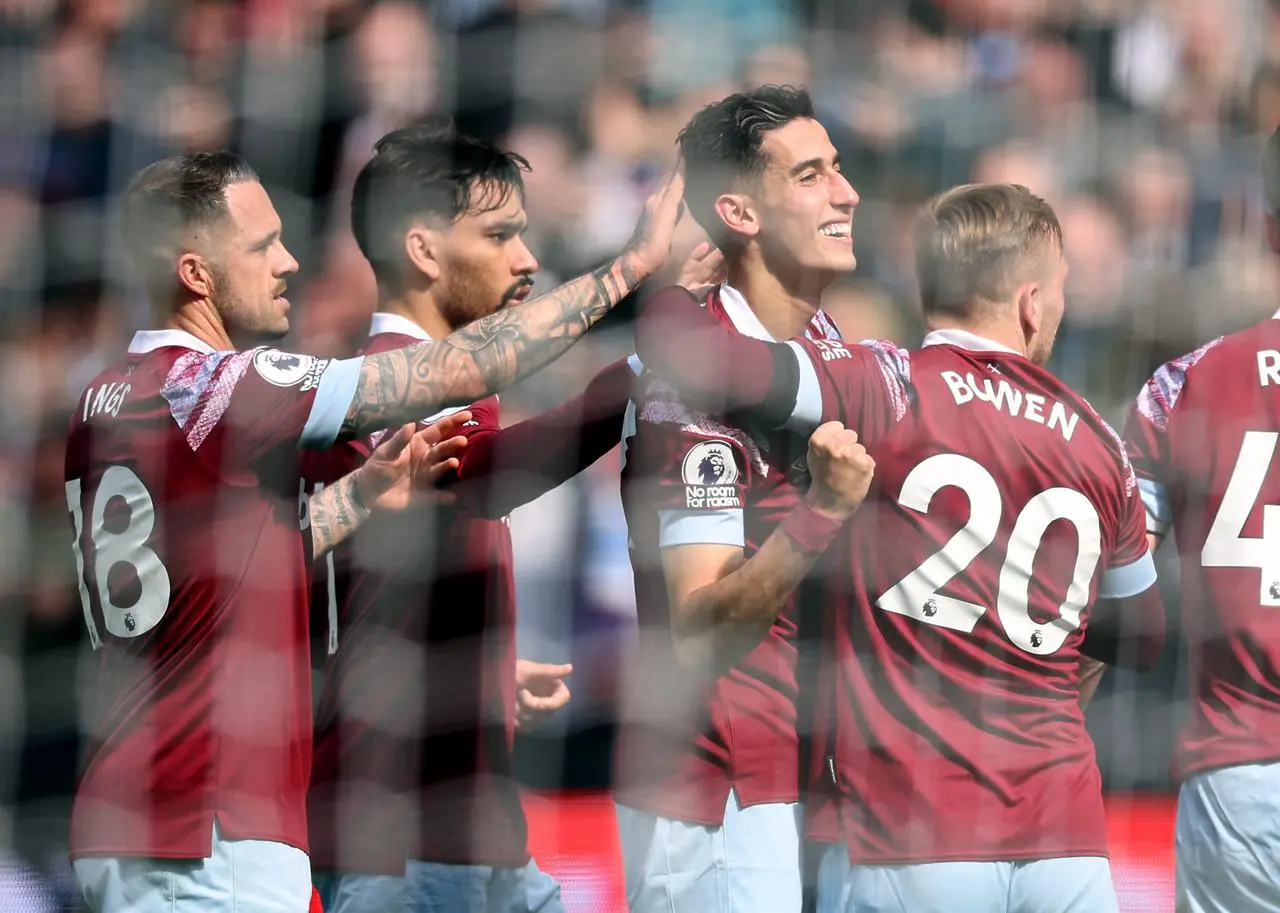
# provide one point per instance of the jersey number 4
(1224, 546)
(119, 543)
(917, 596)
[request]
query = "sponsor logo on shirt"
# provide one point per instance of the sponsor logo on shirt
(286, 369)
(710, 473)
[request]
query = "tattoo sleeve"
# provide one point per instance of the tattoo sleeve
(336, 512)
(486, 356)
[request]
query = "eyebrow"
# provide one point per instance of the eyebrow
(514, 225)
(264, 243)
(797, 170)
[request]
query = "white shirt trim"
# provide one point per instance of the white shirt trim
(701, 527)
(145, 341)
(384, 322)
(963, 339)
(1128, 580)
(744, 319)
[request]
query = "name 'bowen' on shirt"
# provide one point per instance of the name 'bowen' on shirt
(1008, 398)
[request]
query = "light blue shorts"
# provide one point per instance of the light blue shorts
(436, 887)
(1228, 840)
(344, 892)
(749, 864)
(1074, 884)
(242, 876)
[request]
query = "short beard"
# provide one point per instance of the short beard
(467, 299)
(232, 312)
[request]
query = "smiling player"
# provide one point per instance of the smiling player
(708, 780)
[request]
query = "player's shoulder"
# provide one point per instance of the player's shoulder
(1162, 391)
(889, 355)
(106, 393)
(140, 380)
(672, 426)
(1110, 443)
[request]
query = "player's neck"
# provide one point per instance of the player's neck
(201, 320)
(419, 308)
(784, 312)
(1010, 337)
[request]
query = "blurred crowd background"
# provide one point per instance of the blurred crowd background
(1140, 120)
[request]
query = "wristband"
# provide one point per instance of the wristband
(809, 529)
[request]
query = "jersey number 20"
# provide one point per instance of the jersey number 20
(917, 596)
(115, 545)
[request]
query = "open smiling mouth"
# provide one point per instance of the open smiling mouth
(842, 231)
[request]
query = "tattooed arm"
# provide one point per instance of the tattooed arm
(403, 465)
(336, 512)
(486, 356)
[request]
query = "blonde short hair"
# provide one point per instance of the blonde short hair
(975, 244)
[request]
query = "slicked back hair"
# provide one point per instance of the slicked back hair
(430, 173)
(723, 147)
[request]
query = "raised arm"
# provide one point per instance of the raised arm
(490, 354)
(721, 621)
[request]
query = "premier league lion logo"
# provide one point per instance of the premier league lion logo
(283, 369)
(710, 463)
(711, 469)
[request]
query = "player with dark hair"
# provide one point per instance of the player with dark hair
(413, 802)
(183, 485)
(957, 610)
(708, 777)
(1202, 437)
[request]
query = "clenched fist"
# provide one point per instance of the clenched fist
(841, 470)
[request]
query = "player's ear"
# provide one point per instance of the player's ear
(1030, 308)
(422, 249)
(194, 275)
(737, 211)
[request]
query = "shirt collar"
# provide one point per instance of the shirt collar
(146, 341)
(963, 339)
(744, 319)
(386, 322)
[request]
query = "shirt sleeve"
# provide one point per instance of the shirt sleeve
(867, 386)
(1146, 440)
(698, 470)
(246, 404)
(1130, 569)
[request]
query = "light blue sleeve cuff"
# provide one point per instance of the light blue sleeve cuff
(333, 399)
(1129, 580)
(807, 414)
(701, 527)
(1156, 500)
